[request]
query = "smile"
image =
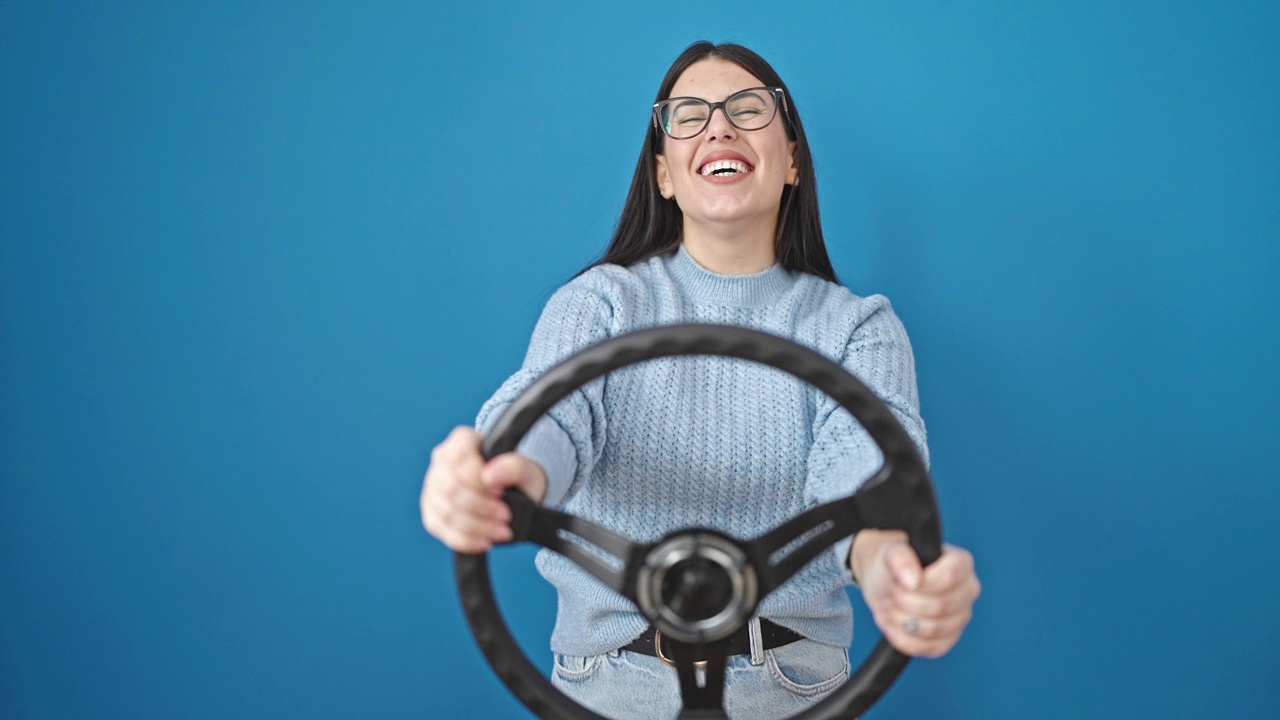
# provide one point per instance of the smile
(721, 168)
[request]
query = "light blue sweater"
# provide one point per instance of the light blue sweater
(706, 441)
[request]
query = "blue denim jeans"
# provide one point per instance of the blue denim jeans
(765, 684)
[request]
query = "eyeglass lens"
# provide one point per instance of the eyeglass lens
(747, 110)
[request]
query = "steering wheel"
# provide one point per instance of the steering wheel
(697, 585)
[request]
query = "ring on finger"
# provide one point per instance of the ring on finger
(911, 626)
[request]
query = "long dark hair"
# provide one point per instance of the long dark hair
(651, 225)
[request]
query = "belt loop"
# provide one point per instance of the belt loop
(757, 643)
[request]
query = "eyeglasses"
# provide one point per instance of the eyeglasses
(752, 109)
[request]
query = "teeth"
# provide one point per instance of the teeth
(723, 167)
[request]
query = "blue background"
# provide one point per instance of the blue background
(258, 258)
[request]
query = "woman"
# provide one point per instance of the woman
(721, 225)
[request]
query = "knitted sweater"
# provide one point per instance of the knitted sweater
(706, 441)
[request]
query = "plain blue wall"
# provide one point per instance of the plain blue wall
(258, 258)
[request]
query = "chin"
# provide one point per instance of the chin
(734, 212)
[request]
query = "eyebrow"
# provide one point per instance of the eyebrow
(757, 91)
(688, 101)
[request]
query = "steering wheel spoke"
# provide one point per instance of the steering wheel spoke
(884, 502)
(588, 545)
(705, 701)
(783, 551)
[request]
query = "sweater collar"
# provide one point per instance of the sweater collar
(742, 290)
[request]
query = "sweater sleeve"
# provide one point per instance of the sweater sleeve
(567, 440)
(843, 454)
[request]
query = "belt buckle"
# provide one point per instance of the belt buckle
(657, 648)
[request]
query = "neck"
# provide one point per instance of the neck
(731, 250)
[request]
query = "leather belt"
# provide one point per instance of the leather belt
(772, 635)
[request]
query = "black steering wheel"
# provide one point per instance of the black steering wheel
(671, 579)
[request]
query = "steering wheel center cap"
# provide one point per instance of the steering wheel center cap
(697, 587)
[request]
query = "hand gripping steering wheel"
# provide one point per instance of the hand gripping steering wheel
(697, 585)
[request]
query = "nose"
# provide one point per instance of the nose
(718, 126)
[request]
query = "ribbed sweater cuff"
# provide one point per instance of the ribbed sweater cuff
(549, 446)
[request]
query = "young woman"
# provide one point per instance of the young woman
(721, 225)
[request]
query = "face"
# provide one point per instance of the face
(763, 159)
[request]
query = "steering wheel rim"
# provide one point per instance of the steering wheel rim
(899, 496)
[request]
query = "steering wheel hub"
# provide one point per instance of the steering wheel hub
(698, 587)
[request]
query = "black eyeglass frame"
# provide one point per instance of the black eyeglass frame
(780, 102)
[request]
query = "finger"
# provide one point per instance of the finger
(952, 570)
(930, 620)
(457, 500)
(919, 605)
(941, 636)
(913, 646)
(444, 530)
(465, 437)
(954, 600)
(921, 636)
(515, 470)
(926, 627)
(461, 497)
(456, 506)
(464, 532)
(450, 493)
(460, 453)
(503, 471)
(454, 466)
(903, 564)
(479, 528)
(892, 627)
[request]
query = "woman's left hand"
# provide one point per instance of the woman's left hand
(921, 611)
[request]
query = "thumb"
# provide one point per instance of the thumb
(904, 565)
(514, 470)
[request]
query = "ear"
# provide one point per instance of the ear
(793, 173)
(663, 176)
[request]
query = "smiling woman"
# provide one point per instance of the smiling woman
(787, 227)
(725, 170)
(720, 226)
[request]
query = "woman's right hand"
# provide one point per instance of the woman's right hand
(461, 499)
